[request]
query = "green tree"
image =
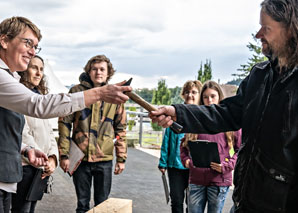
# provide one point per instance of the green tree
(205, 71)
(257, 57)
(161, 96)
(145, 93)
(175, 95)
(131, 122)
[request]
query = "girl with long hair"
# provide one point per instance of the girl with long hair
(211, 185)
(170, 152)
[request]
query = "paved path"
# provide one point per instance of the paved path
(140, 182)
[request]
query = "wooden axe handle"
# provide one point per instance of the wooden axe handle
(136, 98)
(149, 107)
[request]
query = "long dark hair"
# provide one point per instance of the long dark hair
(285, 12)
(211, 85)
(42, 88)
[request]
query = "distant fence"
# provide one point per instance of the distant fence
(141, 136)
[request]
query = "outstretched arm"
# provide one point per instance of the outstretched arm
(227, 116)
(20, 99)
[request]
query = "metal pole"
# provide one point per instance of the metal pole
(141, 127)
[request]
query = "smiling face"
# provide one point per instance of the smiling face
(99, 73)
(272, 35)
(15, 53)
(35, 71)
(192, 96)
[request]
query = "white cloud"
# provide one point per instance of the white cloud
(144, 39)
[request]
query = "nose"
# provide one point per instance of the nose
(259, 34)
(31, 51)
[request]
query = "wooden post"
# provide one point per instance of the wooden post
(141, 127)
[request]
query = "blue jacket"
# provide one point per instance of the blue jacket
(170, 150)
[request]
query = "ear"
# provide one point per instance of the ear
(4, 41)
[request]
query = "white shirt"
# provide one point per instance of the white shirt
(16, 97)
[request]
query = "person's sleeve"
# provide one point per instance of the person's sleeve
(164, 149)
(53, 151)
(227, 116)
(64, 128)
(120, 131)
(229, 164)
(27, 136)
(20, 99)
(184, 153)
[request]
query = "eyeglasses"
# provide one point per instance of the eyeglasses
(193, 92)
(30, 44)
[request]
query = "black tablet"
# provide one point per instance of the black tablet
(203, 153)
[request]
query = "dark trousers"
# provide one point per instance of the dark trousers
(19, 204)
(102, 182)
(5, 199)
(178, 182)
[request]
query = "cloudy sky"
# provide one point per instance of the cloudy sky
(145, 39)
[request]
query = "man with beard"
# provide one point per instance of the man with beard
(265, 107)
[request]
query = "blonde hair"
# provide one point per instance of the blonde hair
(188, 85)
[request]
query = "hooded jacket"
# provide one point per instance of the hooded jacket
(265, 107)
(94, 128)
(170, 150)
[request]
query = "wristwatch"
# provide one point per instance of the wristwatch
(26, 150)
(121, 161)
(63, 157)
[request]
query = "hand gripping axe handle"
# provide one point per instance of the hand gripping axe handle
(149, 107)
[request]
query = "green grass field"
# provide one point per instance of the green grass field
(154, 138)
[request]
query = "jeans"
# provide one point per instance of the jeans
(5, 199)
(102, 182)
(19, 204)
(200, 195)
(232, 210)
(178, 182)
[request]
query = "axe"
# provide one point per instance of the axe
(149, 107)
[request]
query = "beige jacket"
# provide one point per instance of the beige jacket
(39, 134)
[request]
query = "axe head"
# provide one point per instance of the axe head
(127, 83)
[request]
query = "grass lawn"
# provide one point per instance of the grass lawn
(153, 138)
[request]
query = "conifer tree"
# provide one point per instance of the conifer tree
(205, 71)
(257, 57)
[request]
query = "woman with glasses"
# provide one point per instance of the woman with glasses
(170, 153)
(37, 133)
(211, 185)
(19, 39)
